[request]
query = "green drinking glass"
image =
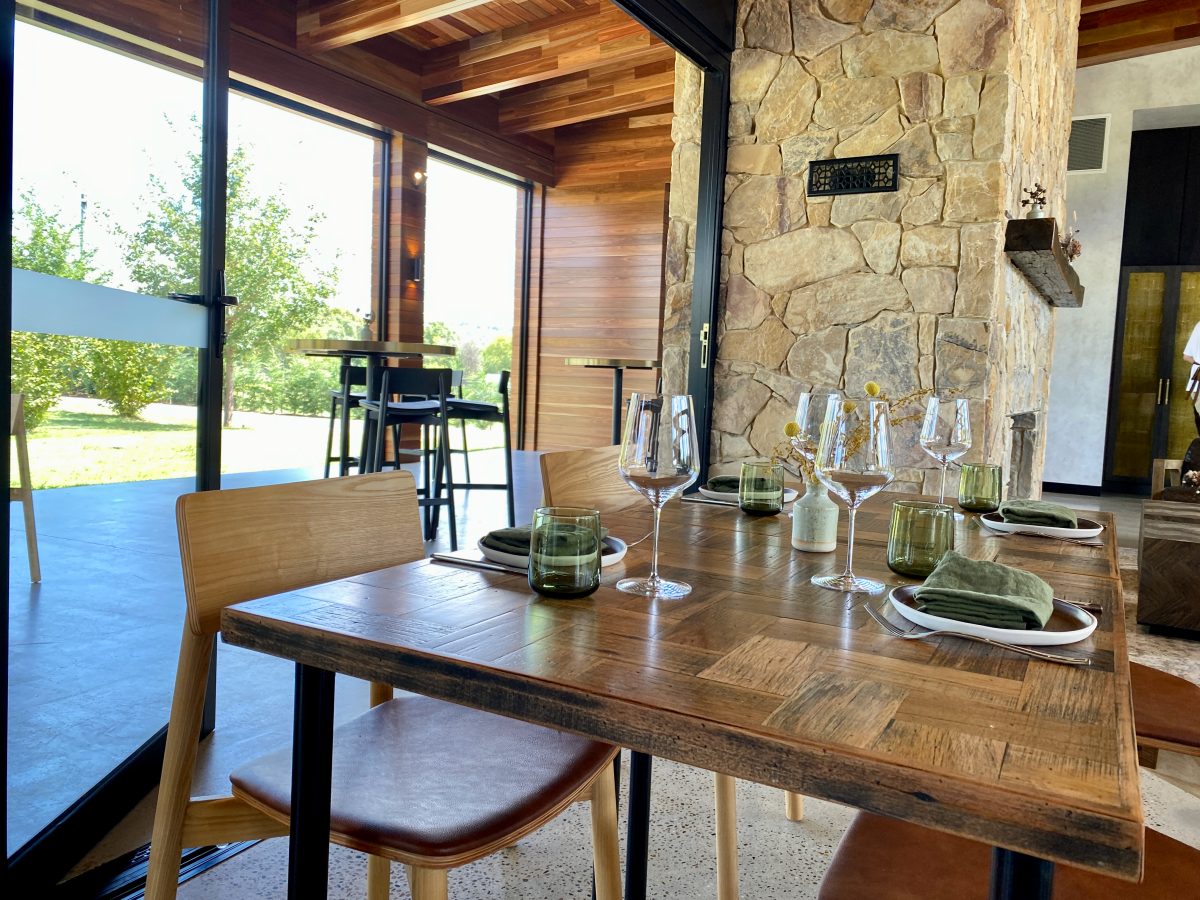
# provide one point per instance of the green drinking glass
(920, 535)
(979, 487)
(760, 488)
(564, 551)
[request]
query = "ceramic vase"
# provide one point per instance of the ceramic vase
(814, 521)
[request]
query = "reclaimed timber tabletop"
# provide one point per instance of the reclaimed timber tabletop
(763, 676)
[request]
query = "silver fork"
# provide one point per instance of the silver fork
(1015, 648)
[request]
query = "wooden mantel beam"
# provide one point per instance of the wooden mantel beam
(595, 94)
(535, 52)
(336, 23)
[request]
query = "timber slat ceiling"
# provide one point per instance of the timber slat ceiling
(1120, 29)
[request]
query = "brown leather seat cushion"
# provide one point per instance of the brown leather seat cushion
(883, 859)
(1165, 707)
(420, 777)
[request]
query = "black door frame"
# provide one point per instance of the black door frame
(38, 865)
(1166, 359)
(704, 33)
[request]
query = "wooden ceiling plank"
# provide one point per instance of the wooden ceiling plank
(535, 52)
(1091, 6)
(1138, 14)
(1160, 24)
(333, 24)
(1139, 45)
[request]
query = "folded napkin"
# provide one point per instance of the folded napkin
(985, 593)
(1038, 512)
(567, 541)
(724, 484)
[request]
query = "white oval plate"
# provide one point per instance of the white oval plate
(616, 550)
(994, 521)
(1067, 624)
(789, 494)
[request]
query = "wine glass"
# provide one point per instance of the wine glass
(810, 413)
(854, 461)
(946, 433)
(659, 458)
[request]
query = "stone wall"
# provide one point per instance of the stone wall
(911, 288)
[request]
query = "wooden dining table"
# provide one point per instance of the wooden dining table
(758, 674)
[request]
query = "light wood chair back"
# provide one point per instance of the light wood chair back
(1164, 472)
(243, 544)
(24, 489)
(587, 478)
(248, 543)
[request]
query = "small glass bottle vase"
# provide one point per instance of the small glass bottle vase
(814, 520)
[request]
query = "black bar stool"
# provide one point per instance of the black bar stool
(478, 411)
(432, 415)
(342, 401)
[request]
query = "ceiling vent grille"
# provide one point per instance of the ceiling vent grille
(1086, 149)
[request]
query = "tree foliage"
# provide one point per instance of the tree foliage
(480, 367)
(280, 294)
(43, 365)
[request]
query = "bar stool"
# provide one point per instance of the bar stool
(456, 393)
(478, 411)
(432, 415)
(344, 399)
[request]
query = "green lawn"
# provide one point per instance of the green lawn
(81, 442)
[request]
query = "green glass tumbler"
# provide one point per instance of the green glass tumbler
(760, 488)
(979, 487)
(564, 551)
(920, 535)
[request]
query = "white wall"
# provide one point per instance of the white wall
(1076, 420)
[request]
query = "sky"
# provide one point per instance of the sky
(105, 135)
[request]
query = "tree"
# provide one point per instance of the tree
(43, 365)
(497, 356)
(266, 266)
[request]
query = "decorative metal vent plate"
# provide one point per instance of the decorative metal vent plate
(854, 175)
(1085, 152)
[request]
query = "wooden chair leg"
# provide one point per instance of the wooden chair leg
(179, 760)
(727, 850)
(794, 806)
(379, 873)
(26, 492)
(428, 884)
(606, 859)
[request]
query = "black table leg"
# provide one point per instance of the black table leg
(618, 390)
(312, 759)
(1016, 876)
(637, 843)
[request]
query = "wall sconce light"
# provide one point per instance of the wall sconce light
(416, 269)
(418, 178)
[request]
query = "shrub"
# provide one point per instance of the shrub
(128, 377)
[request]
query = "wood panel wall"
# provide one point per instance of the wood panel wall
(598, 239)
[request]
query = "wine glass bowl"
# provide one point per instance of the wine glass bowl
(853, 460)
(810, 413)
(659, 458)
(946, 433)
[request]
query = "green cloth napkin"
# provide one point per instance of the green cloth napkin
(567, 541)
(724, 484)
(1038, 512)
(985, 593)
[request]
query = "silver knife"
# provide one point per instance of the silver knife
(475, 564)
(710, 502)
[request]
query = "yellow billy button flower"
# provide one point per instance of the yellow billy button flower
(849, 406)
(791, 429)
(872, 389)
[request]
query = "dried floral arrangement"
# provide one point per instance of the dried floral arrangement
(789, 453)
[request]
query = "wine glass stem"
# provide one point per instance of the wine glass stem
(654, 555)
(851, 510)
(942, 495)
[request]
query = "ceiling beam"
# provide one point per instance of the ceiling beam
(595, 94)
(1139, 45)
(1137, 29)
(324, 26)
(536, 52)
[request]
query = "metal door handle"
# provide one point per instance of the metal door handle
(1167, 392)
(704, 345)
(1158, 395)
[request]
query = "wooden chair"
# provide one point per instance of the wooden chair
(24, 490)
(420, 781)
(1164, 473)
(885, 859)
(587, 478)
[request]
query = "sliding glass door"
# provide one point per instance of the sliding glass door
(118, 196)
